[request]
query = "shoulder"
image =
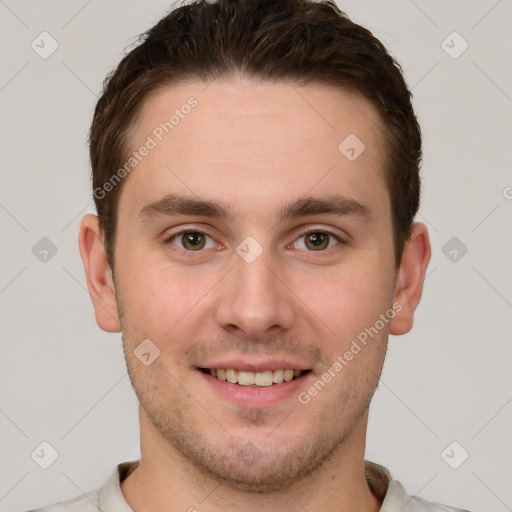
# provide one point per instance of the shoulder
(396, 499)
(107, 498)
(417, 504)
(85, 503)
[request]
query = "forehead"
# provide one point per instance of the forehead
(245, 140)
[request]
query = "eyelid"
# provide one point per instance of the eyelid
(340, 235)
(338, 241)
(300, 232)
(170, 236)
(169, 233)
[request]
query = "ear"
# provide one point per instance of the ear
(409, 281)
(98, 274)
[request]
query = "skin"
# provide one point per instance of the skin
(254, 147)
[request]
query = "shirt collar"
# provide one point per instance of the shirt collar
(389, 492)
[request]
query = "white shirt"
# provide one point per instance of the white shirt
(109, 498)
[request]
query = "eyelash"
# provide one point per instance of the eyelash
(173, 236)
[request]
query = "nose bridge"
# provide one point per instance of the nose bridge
(252, 298)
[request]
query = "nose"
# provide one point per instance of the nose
(253, 301)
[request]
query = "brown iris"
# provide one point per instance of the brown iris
(193, 240)
(316, 241)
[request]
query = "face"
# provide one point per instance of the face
(250, 246)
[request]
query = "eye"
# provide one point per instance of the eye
(192, 240)
(316, 241)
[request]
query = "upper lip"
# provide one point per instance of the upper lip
(262, 366)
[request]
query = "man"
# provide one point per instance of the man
(256, 176)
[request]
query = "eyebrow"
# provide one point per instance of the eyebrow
(333, 204)
(173, 204)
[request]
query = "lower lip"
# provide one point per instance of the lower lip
(245, 396)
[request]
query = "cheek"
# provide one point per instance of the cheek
(157, 298)
(349, 298)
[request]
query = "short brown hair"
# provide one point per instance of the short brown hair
(298, 41)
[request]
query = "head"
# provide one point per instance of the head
(256, 176)
(293, 41)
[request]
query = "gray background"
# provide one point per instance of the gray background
(63, 380)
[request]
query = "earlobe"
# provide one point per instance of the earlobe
(409, 282)
(98, 274)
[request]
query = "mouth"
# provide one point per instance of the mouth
(260, 379)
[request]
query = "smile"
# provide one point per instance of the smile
(254, 379)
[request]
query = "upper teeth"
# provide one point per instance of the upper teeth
(266, 378)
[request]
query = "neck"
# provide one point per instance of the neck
(165, 477)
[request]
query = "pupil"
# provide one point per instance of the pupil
(193, 240)
(317, 239)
